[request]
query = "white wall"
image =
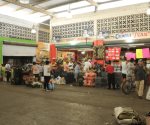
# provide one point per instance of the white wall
(15, 21)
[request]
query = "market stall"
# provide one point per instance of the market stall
(19, 53)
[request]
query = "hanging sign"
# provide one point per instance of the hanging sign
(130, 56)
(98, 43)
(52, 52)
(146, 53)
(113, 53)
(139, 53)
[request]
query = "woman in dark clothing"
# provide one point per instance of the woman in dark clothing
(140, 77)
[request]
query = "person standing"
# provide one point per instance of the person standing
(110, 71)
(35, 71)
(40, 70)
(98, 69)
(47, 70)
(87, 65)
(66, 72)
(77, 71)
(130, 68)
(3, 73)
(140, 77)
(8, 72)
(70, 65)
(124, 69)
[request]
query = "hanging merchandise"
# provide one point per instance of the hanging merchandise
(113, 53)
(99, 52)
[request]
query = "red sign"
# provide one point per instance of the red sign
(98, 43)
(113, 53)
(53, 52)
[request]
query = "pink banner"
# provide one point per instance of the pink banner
(130, 56)
(146, 53)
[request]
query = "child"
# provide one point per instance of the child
(51, 83)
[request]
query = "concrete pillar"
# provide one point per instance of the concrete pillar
(51, 32)
(37, 33)
(95, 28)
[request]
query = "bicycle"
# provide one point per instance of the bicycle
(128, 85)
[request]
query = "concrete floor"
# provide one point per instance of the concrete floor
(67, 105)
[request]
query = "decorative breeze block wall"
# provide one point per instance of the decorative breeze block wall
(73, 30)
(128, 23)
(43, 36)
(14, 31)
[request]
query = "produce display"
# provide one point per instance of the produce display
(89, 79)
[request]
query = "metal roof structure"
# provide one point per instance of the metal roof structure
(38, 11)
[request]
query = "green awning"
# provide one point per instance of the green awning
(79, 45)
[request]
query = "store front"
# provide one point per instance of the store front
(18, 53)
(75, 48)
(114, 48)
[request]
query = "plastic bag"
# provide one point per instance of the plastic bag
(126, 115)
(51, 86)
(42, 78)
(148, 94)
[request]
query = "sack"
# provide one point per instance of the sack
(126, 115)
(148, 118)
(4, 79)
(148, 94)
(62, 81)
(51, 86)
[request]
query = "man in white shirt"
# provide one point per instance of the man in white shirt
(87, 65)
(47, 69)
(70, 65)
(124, 68)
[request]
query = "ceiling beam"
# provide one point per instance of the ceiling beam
(29, 6)
(3, 4)
(32, 12)
(39, 2)
(61, 4)
(93, 3)
(19, 8)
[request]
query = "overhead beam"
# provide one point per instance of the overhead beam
(29, 6)
(32, 12)
(61, 4)
(19, 8)
(93, 3)
(4, 4)
(39, 2)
